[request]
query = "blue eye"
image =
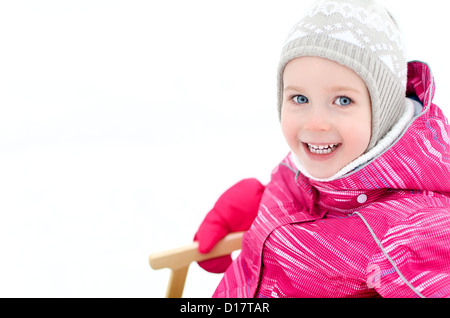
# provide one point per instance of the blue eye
(300, 99)
(343, 101)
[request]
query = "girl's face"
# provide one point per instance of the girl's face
(326, 114)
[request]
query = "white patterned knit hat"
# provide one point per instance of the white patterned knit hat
(363, 36)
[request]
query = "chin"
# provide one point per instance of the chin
(321, 173)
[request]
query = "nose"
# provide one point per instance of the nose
(317, 118)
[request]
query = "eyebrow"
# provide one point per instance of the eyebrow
(292, 88)
(333, 88)
(345, 88)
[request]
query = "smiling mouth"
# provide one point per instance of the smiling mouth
(322, 149)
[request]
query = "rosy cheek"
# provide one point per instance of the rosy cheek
(291, 137)
(357, 143)
(288, 129)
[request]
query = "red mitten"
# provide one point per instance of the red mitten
(234, 211)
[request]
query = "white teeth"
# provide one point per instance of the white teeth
(322, 150)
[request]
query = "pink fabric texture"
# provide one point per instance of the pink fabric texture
(234, 211)
(381, 231)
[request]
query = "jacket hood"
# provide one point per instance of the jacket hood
(417, 160)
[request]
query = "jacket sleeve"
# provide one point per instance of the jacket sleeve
(415, 257)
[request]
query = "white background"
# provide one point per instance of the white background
(122, 122)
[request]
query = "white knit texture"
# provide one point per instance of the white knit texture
(385, 39)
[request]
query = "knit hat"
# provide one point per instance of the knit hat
(363, 36)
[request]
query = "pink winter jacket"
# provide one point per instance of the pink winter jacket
(381, 231)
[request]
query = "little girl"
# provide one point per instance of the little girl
(361, 205)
